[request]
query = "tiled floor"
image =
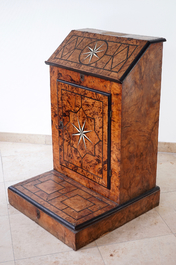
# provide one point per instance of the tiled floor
(149, 239)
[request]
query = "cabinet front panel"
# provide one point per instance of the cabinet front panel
(84, 131)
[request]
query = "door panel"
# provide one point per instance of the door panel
(84, 131)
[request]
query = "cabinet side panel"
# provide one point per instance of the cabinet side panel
(140, 118)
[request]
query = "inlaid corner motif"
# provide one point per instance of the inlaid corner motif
(109, 56)
(83, 138)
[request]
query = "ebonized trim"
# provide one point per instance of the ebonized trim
(85, 73)
(126, 72)
(89, 222)
(135, 61)
(158, 40)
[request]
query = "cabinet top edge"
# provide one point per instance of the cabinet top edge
(151, 39)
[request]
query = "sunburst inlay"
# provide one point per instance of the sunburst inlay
(81, 133)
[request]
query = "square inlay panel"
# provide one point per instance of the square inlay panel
(78, 203)
(75, 206)
(49, 186)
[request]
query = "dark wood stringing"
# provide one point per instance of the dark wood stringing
(90, 230)
(104, 207)
(55, 194)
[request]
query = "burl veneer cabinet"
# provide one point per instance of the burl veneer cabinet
(105, 95)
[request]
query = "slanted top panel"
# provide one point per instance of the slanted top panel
(103, 55)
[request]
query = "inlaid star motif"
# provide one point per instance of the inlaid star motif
(81, 133)
(93, 52)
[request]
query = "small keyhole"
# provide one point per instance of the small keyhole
(38, 213)
(82, 77)
(60, 124)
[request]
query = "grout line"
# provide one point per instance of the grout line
(47, 138)
(56, 253)
(99, 252)
(166, 152)
(44, 255)
(3, 262)
(126, 241)
(168, 191)
(165, 222)
(7, 208)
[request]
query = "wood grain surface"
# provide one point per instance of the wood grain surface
(140, 117)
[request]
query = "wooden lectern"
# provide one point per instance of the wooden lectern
(105, 96)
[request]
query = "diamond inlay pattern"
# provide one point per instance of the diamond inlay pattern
(65, 197)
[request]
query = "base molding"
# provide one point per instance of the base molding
(47, 139)
(58, 219)
(25, 138)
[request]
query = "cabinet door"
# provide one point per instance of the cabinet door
(84, 131)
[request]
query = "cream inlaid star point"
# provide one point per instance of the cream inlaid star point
(81, 133)
(93, 52)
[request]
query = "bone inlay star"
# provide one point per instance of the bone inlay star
(93, 52)
(81, 133)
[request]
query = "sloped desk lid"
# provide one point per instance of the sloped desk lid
(104, 54)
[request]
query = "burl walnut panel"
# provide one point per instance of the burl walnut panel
(140, 117)
(100, 85)
(83, 131)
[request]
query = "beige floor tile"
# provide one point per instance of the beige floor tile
(3, 202)
(25, 166)
(81, 257)
(153, 251)
(167, 209)
(12, 210)
(6, 251)
(146, 240)
(166, 172)
(147, 225)
(30, 240)
(10, 149)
